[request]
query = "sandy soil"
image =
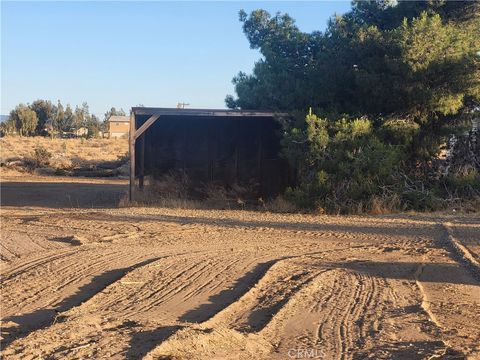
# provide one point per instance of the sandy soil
(126, 283)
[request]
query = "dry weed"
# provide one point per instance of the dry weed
(280, 205)
(59, 156)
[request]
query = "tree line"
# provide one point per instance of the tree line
(42, 117)
(376, 96)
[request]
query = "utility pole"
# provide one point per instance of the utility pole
(182, 105)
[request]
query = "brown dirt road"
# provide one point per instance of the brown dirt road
(83, 279)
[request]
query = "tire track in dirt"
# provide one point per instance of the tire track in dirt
(339, 304)
(170, 284)
(37, 286)
(252, 311)
(86, 292)
(269, 301)
(333, 312)
(22, 266)
(441, 302)
(332, 336)
(461, 252)
(152, 295)
(35, 277)
(101, 308)
(228, 290)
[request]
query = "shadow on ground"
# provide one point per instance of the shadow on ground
(39, 319)
(143, 342)
(452, 273)
(220, 301)
(375, 227)
(61, 195)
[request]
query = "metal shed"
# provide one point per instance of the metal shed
(210, 145)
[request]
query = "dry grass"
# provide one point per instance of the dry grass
(176, 190)
(173, 191)
(63, 154)
(145, 199)
(78, 151)
(280, 205)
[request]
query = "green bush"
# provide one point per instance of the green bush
(342, 164)
(462, 185)
(350, 165)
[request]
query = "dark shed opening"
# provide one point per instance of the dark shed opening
(226, 147)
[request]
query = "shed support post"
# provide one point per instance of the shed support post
(184, 148)
(259, 151)
(211, 152)
(260, 157)
(142, 161)
(132, 155)
(236, 165)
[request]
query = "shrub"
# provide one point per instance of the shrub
(280, 205)
(351, 165)
(41, 156)
(343, 165)
(174, 185)
(399, 131)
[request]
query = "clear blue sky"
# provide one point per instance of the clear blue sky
(127, 53)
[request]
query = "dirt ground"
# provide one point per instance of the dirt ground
(82, 278)
(62, 192)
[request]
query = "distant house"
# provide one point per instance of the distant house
(118, 126)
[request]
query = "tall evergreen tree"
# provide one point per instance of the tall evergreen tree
(58, 117)
(45, 111)
(81, 116)
(25, 119)
(408, 72)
